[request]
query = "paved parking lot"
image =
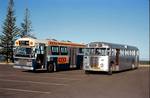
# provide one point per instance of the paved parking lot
(16, 83)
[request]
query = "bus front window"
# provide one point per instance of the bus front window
(97, 51)
(87, 51)
(101, 51)
(23, 52)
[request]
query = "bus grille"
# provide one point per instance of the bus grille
(94, 62)
(22, 62)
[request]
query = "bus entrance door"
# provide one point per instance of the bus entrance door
(116, 67)
(117, 56)
(73, 57)
(41, 56)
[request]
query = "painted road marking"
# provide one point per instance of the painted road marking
(71, 79)
(43, 83)
(23, 90)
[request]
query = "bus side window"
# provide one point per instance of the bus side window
(137, 53)
(49, 50)
(126, 52)
(134, 52)
(113, 52)
(92, 51)
(64, 50)
(108, 52)
(81, 50)
(122, 52)
(103, 52)
(86, 51)
(97, 52)
(42, 49)
(37, 51)
(55, 50)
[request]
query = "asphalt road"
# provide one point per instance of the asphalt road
(16, 83)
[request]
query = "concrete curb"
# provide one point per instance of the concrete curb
(1, 63)
(144, 65)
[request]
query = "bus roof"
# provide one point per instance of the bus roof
(110, 45)
(30, 40)
(49, 42)
(62, 43)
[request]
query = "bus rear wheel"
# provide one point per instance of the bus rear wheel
(86, 72)
(110, 70)
(133, 66)
(50, 68)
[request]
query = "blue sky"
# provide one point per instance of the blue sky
(116, 21)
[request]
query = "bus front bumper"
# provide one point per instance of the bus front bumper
(23, 67)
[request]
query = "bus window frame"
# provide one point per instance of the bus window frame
(26, 52)
(65, 51)
(102, 52)
(49, 50)
(54, 52)
(80, 51)
(86, 51)
(98, 51)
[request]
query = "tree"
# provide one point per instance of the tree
(26, 25)
(9, 32)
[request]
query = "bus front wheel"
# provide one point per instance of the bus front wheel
(133, 66)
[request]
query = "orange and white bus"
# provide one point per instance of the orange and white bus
(108, 57)
(51, 55)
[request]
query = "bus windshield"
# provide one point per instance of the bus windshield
(23, 52)
(97, 51)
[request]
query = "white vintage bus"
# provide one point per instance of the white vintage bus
(109, 57)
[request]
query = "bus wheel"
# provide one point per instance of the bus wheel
(34, 70)
(86, 72)
(110, 71)
(50, 68)
(133, 66)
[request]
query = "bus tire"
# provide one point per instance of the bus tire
(133, 66)
(86, 72)
(34, 70)
(50, 67)
(110, 70)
